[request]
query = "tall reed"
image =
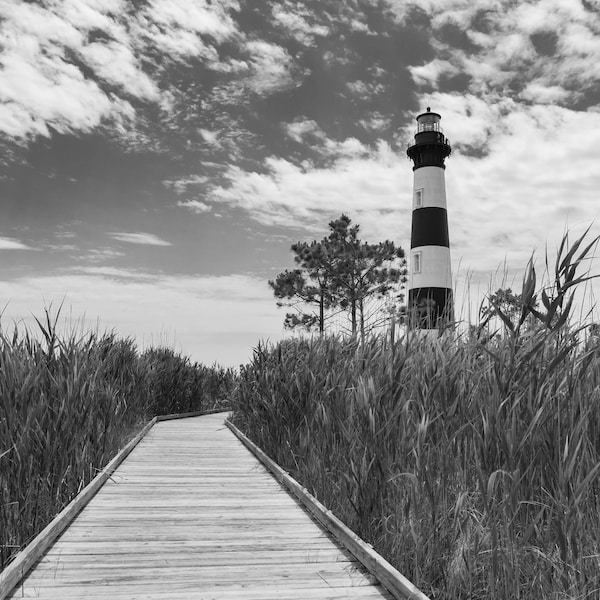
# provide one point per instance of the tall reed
(471, 462)
(67, 404)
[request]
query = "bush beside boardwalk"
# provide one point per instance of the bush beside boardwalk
(472, 468)
(68, 405)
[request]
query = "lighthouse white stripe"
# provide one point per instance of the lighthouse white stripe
(432, 181)
(435, 267)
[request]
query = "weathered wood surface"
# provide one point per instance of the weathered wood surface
(192, 514)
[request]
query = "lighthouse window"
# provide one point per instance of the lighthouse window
(419, 197)
(417, 262)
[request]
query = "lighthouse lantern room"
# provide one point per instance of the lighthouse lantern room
(430, 301)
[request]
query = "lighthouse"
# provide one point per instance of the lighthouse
(430, 303)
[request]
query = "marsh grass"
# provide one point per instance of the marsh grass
(470, 461)
(67, 404)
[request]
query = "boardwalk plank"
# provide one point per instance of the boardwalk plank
(209, 557)
(301, 574)
(192, 514)
(220, 593)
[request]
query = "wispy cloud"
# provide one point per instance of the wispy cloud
(178, 26)
(115, 63)
(200, 314)
(290, 195)
(65, 234)
(98, 255)
(196, 205)
(181, 185)
(271, 67)
(298, 21)
(308, 132)
(148, 239)
(7, 243)
(114, 273)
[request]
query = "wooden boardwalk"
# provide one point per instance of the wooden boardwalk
(192, 514)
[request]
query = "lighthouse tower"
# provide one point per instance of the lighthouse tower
(430, 301)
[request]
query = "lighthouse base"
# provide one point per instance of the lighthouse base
(430, 308)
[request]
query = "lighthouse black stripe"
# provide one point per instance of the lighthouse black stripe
(429, 227)
(429, 150)
(430, 307)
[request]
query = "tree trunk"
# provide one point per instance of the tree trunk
(362, 319)
(322, 311)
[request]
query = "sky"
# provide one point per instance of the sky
(159, 157)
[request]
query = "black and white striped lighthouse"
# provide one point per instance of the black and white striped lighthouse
(430, 300)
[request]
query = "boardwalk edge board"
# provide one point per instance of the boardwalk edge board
(12, 575)
(398, 585)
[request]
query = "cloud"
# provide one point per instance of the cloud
(181, 185)
(40, 86)
(116, 64)
(210, 137)
(271, 67)
(290, 195)
(430, 72)
(308, 132)
(94, 15)
(49, 94)
(7, 243)
(294, 19)
(98, 255)
(77, 64)
(65, 234)
(544, 94)
(147, 239)
(299, 130)
(514, 49)
(119, 274)
(60, 247)
(209, 318)
(202, 17)
(196, 205)
(376, 122)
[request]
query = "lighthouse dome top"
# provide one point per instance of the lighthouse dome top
(428, 121)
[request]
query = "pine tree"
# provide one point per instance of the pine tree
(340, 271)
